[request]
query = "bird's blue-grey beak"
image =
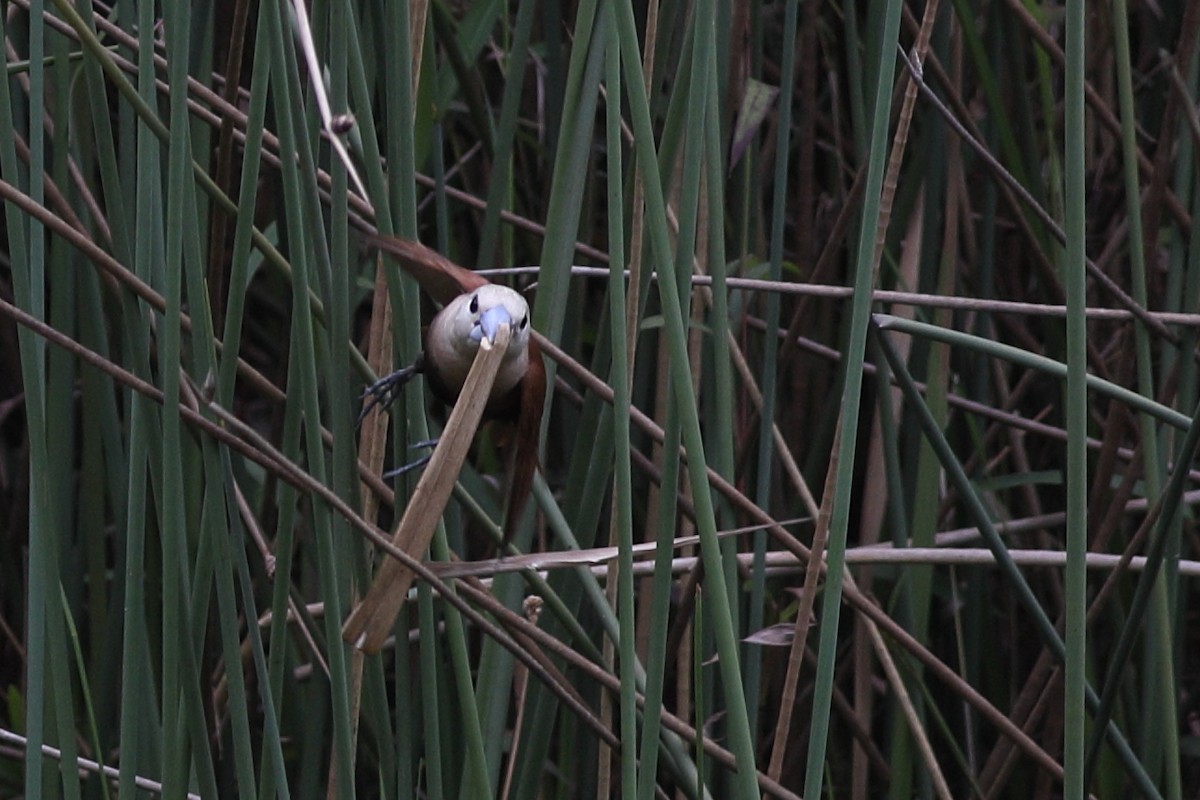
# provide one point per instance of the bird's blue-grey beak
(490, 322)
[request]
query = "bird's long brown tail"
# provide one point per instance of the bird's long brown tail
(528, 433)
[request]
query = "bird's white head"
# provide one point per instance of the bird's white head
(456, 332)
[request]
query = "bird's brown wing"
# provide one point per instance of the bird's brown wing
(439, 276)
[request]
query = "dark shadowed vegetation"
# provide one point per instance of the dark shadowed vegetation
(947, 250)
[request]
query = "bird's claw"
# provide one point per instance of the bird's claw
(383, 392)
(420, 462)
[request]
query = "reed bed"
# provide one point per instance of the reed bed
(869, 457)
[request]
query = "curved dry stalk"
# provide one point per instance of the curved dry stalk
(371, 621)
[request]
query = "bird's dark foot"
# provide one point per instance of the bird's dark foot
(420, 462)
(385, 391)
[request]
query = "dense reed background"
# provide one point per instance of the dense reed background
(947, 249)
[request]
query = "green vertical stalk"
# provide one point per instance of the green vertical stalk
(64, 437)
(1137, 256)
(431, 711)
(1046, 96)
(570, 175)
(699, 709)
(1160, 723)
(239, 269)
(29, 292)
(981, 518)
(721, 395)
(285, 531)
(474, 780)
(305, 231)
(214, 527)
(571, 180)
(166, 274)
(272, 744)
(1148, 592)
(619, 378)
(856, 72)
(864, 277)
(59, 427)
(186, 582)
(405, 302)
(402, 288)
(675, 330)
(338, 304)
(506, 129)
(657, 658)
(1074, 282)
(770, 355)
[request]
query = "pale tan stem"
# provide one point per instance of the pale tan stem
(371, 621)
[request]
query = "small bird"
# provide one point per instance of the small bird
(474, 309)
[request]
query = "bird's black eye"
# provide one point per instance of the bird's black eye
(475, 304)
(524, 322)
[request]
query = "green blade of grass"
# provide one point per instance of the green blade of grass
(723, 623)
(864, 274)
(1074, 270)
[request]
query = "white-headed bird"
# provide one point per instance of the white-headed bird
(473, 308)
